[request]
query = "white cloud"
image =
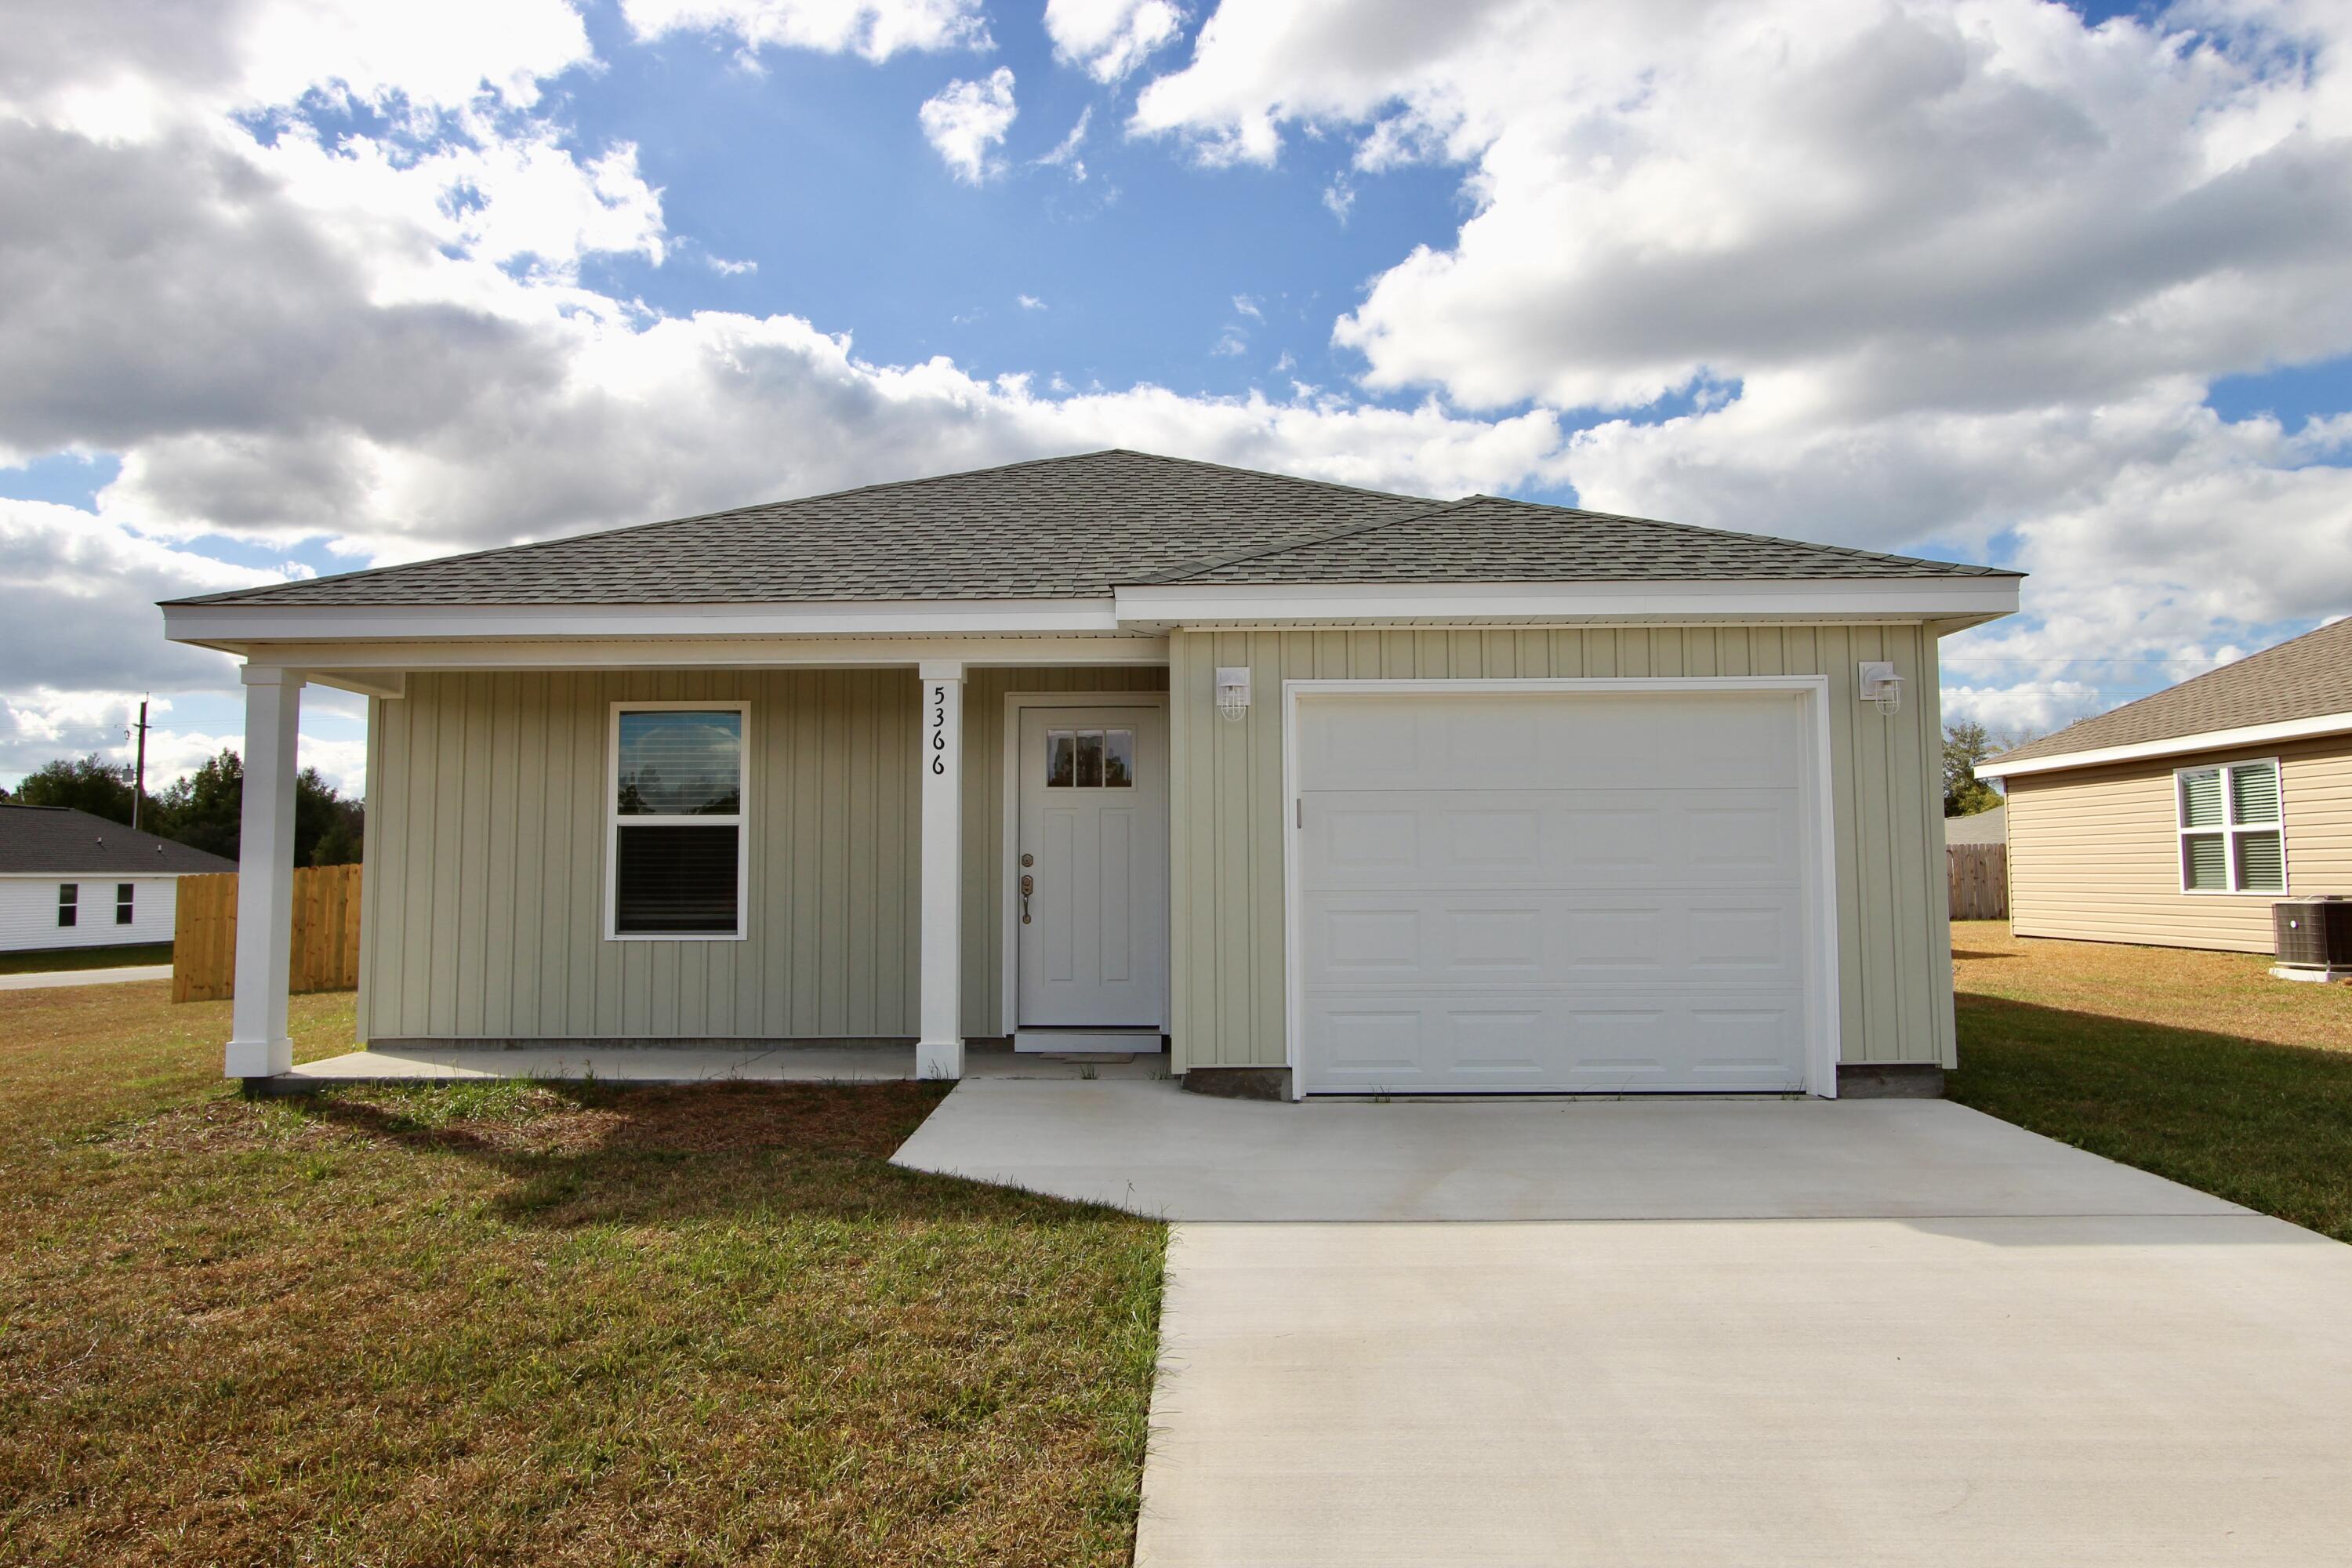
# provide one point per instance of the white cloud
(1064, 154)
(1110, 38)
(1029, 303)
(1923, 274)
(877, 29)
(1246, 305)
(966, 121)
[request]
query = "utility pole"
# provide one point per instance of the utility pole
(139, 779)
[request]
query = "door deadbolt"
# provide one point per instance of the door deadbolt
(1028, 860)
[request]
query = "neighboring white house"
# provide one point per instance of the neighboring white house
(71, 879)
(1334, 790)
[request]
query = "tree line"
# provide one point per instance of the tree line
(205, 810)
(1966, 745)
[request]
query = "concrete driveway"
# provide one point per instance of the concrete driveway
(1755, 1332)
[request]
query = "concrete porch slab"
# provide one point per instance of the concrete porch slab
(687, 1064)
(1149, 1148)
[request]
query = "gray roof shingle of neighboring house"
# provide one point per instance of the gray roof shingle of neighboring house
(55, 840)
(1079, 527)
(1984, 827)
(2305, 678)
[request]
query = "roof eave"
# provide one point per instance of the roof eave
(2316, 725)
(1950, 602)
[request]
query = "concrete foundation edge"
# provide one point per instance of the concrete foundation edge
(1240, 1083)
(1890, 1080)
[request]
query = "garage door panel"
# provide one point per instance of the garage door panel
(1538, 891)
(1486, 742)
(1667, 837)
(1627, 1039)
(1567, 939)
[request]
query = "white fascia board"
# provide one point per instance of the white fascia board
(354, 666)
(212, 624)
(1880, 598)
(2174, 746)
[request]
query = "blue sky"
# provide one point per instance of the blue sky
(448, 275)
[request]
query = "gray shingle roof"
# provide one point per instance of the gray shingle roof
(2302, 679)
(56, 840)
(1079, 526)
(1492, 539)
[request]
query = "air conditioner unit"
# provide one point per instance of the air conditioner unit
(2313, 937)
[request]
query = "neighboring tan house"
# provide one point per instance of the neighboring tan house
(1983, 827)
(2179, 819)
(71, 879)
(1337, 789)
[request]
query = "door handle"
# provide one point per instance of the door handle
(1028, 886)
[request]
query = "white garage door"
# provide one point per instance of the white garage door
(1546, 891)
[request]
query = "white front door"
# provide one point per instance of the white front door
(1553, 893)
(1091, 868)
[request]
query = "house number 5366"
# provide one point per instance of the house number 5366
(939, 729)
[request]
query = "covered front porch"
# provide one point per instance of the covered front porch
(821, 887)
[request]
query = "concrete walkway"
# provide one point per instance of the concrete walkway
(48, 980)
(687, 1064)
(1766, 1332)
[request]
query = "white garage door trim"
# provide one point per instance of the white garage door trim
(1820, 867)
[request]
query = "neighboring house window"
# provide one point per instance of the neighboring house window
(68, 903)
(122, 892)
(2233, 828)
(677, 854)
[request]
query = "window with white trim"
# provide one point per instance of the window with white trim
(677, 852)
(123, 894)
(2232, 827)
(68, 903)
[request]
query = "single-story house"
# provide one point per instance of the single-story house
(69, 880)
(1334, 790)
(2179, 819)
(1980, 827)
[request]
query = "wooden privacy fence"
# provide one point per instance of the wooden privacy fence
(1980, 875)
(326, 955)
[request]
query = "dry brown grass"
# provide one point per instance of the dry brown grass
(509, 1323)
(2197, 1065)
(2225, 993)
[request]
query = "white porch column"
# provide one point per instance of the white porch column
(258, 1045)
(939, 1052)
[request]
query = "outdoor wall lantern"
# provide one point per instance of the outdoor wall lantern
(1232, 692)
(1880, 684)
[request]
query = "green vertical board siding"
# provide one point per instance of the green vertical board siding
(1226, 805)
(484, 913)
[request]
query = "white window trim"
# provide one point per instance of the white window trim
(126, 902)
(741, 822)
(2229, 831)
(65, 903)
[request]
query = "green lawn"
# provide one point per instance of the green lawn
(2197, 1065)
(46, 961)
(513, 1324)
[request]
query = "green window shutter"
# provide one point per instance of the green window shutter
(2200, 799)
(2262, 863)
(2253, 793)
(2204, 863)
